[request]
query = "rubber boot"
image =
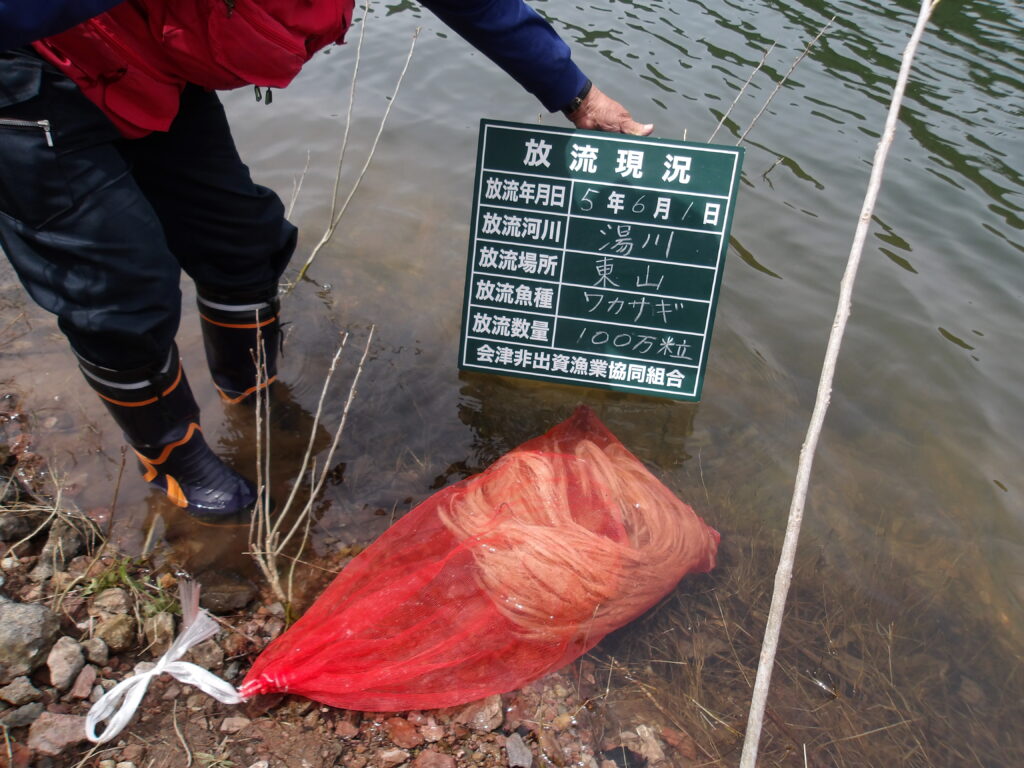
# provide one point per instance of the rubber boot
(160, 419)
(233, 329)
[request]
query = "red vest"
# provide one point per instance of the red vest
(134, 60)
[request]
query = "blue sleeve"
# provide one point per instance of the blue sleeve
(520, 41)
(25, 21)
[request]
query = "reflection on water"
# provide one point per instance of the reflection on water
(916, 496)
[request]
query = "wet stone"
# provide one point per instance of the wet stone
(346, 729)
(562, 722)
(482, 716)
(388, 758)
(225, 592)
(680, 741)
(650, 744)
(63, 542)
(519, 754)
(16, 525)
(417, 718)
(402, 732)
(430, 758)
(432, 733)
(550, 748)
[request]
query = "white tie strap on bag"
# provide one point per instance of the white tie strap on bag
(120, 702)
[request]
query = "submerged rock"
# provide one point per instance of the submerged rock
(225, 592)
(16, 523)
(63, 543)
(403, 733)
(483, 716)
(519, 754)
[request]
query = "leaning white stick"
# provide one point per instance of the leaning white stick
(784, 574)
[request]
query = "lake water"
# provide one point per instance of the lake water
(916, 491)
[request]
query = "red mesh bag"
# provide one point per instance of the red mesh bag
(495, 581)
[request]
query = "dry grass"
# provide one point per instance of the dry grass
(276, 532)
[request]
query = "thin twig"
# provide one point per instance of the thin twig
(782, 82)
(117, 493)
(348, 112)
(337, 435)
(297, 187)
(181, 737)
(10, 325)
(784, 574)
(312, 432)
(151, 534)
(866, 733)
(666, 714)
(373, 148)
(743, 88)
(268, 541)
(93, 751)
(295, 560)
(311, 565)
(42, 527)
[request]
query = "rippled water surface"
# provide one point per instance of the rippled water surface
(916, 492)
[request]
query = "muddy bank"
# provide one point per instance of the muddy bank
(859, 681)
(78, 617)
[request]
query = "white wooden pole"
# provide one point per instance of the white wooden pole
(784, 574)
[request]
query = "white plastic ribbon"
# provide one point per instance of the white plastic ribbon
(120, 702)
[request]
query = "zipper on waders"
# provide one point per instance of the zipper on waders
(44, 124)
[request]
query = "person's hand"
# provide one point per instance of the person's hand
(600, 112)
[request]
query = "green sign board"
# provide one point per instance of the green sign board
(596, 258)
